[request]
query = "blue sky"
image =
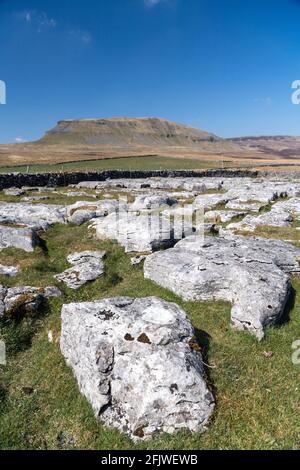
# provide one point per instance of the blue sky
(221, 65)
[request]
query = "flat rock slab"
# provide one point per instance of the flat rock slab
(245, 206)
(222, 216)
(136, 362)
(8, 271)
(85, 256)
(282, 214)
(250, 273)
(39, 216)
(83, 211)
(21, 238)
(151, 202)
(14, 192)
(87, 266)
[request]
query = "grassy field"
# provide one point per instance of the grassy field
(255, 384)
(125, 163)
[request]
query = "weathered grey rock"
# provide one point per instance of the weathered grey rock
(21, 238)
(25, 300)
(282, 214)
(88, 266)
(85, 256)
(136, 260)
(39, 216)
(34, 198)
(8, 271)
(83, 211)
(136, 363)
(14, 192)
(245, 206)
(151, 202)
(52, 291)
(250, 273)
(78, 194)
(211, 201)
(144, 233)
(222, 216)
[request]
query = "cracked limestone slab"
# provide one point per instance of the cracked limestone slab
(87, 267)
(137, 363)
(251, 273)
(37, 216)
(20, 238)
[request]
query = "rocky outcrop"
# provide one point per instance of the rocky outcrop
(152, 202)
(38, 216)
(136, 233)
(83, 211)
(282, 214)
(87, 266)
(250, 273)
(21, 238)
(138, 364)
(16, 302)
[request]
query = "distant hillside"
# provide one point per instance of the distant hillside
(278, 145)
(127, 132)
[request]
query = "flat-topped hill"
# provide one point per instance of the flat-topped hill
(126, 132)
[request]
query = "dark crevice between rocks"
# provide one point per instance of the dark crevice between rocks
(285, 317)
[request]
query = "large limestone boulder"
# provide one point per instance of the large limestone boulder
(21, 238)
(137, 363)
(137, 233)
(250, 273)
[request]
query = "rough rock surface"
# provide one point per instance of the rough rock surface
(250, 273)
(136, 260)
(144, 233)
(151, 202)
(137, 363)
(21, 238)
(8, 271)
(39, 216)
(222, 216)
(16, 301)
(84, 211)
(282, 214)
(14, 192)
(87, 266)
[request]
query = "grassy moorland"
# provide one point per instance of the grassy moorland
(255, 384)
(124, 163)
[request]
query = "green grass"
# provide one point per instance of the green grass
(40, 405)
(125, 163)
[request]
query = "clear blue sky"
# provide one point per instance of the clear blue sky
(221, 65)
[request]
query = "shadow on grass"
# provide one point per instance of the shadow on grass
(204, 339)
(18, 328)
(285, 317)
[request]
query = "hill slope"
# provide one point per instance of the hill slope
(127, 132)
